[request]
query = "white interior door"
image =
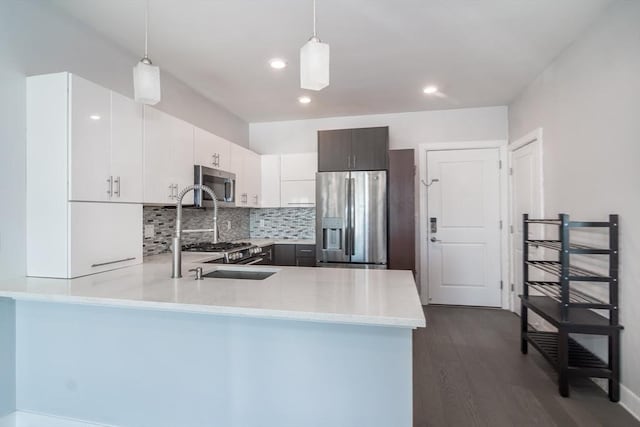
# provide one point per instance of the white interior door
(526, 197)
(463, 208)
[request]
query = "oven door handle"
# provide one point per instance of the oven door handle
(255, 261)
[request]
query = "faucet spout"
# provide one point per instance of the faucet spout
(176, 265)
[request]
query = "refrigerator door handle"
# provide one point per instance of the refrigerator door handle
(353, 213)
(347, 250)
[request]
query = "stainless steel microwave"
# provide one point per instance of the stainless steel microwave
(222, 183)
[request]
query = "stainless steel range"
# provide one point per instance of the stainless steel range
(234, 253)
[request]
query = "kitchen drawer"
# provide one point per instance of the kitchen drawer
(305, 262)
(305, 251)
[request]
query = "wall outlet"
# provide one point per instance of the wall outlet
(262, 223)
(228, 225)
(149, 231)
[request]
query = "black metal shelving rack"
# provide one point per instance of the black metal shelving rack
(570, 310)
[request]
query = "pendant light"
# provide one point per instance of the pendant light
(314, 61)
(146, 76)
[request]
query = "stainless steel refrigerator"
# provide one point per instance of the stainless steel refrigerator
(351, 219)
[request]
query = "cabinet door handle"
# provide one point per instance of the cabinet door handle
(117, 183)
(110, 186)
(171, 196)
(354, 161)
(349, 161)
(213, 159)
(100, 264)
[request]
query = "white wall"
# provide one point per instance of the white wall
(36, 38)
(406, 130)
(588, 104)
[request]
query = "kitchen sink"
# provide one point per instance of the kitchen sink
(239, 274)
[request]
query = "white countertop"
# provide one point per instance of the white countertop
(353, 296)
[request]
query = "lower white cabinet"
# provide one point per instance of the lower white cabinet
(90, 238)
(298, 194)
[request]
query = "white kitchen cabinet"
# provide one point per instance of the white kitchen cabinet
(211, 150)
(299, 167)
(251, 170)
(102, 237)
(168, 157)
(298, 194)
(89, 139)
(270, 182)
(67, 239)
(126, 149)
(237, 167)
(105, 143)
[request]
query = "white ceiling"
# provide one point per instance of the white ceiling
(480, 53)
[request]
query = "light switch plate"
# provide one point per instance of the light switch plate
(149, 231)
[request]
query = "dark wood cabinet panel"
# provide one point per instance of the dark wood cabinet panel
(334, 150)
(402, 234)
(305, 251)
(285, 255)
(306, 262)
(295, 255)
(370, 149)
(353, 149)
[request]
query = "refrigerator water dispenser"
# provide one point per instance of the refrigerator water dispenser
(332, 229)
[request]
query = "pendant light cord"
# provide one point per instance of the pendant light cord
(314, 18)
(146, 27)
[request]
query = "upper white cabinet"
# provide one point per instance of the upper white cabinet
(89, 140)
(297, 167)
(298, 180)
(168, 157)
(211, 150)
(270, 182)
(126, 149)
(105, 144)
(298, 194)
(247, 166)
(252, 174)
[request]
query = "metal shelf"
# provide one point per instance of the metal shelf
(574, 248)
(581, 360)
(577, 274)
(576, 298)
(567, 308)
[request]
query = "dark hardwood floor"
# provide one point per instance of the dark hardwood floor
(468, 371)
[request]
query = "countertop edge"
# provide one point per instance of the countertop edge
(248, 312)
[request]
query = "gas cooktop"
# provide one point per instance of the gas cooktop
(215, 247)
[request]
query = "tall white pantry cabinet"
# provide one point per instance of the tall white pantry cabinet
(84, 180)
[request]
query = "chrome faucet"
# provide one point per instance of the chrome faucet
(176, 271)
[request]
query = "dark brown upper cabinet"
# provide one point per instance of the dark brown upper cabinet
(353, 149)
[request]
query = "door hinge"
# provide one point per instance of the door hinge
(499, 164)
(511, 229)
(510, 171)
(500, 224)
(501, 284)
(513, 288)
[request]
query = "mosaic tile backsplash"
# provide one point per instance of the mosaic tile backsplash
(164, 221)
(283, 223)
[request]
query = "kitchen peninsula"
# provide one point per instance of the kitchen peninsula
(132, 347)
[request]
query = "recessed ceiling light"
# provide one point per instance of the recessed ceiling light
(430, 90)
(277, 63)
(304, 100)
(94, 117)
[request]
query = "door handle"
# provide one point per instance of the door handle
(434, 240)
(110, 187)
